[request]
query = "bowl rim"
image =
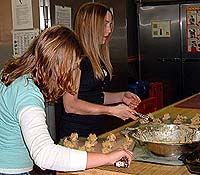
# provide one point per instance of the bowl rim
(162, 143)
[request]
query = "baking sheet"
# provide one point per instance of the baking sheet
(118, 144)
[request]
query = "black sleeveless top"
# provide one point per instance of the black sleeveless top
(90, 90)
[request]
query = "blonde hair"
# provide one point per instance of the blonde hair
(50, 60)
(89, 26)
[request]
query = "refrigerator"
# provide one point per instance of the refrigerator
(169, 46)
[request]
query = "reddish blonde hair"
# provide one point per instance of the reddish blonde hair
(50, 60)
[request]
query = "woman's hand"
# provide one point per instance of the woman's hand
(130, 99)
(122, 111)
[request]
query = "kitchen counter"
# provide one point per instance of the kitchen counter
(144, 168)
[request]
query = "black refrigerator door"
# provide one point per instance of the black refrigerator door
(190, 48)
(159, 48)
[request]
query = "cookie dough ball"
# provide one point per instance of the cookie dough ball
(68, 143)
(74, 137)
(92, 138)
(111, 137)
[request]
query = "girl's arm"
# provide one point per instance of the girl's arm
(48, 155)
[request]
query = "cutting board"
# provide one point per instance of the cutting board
(193, 103)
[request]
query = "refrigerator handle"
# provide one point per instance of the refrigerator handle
(191, 60)
(169, 59)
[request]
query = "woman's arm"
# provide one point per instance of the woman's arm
(113, 97)
(77, 106)
(48, 155)
(74, 105)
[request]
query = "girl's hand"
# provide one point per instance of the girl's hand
(118, 154)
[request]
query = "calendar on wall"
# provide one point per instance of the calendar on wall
(22, 40)
(193, 29)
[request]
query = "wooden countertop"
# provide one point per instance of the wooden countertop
(144, 168)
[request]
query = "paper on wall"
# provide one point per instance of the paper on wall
(63, 15)
(22, 14)
(161, 29)
(22, 39)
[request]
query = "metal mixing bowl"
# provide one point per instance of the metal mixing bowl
(167, 139)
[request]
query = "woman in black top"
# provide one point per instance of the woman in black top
(88, 111)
